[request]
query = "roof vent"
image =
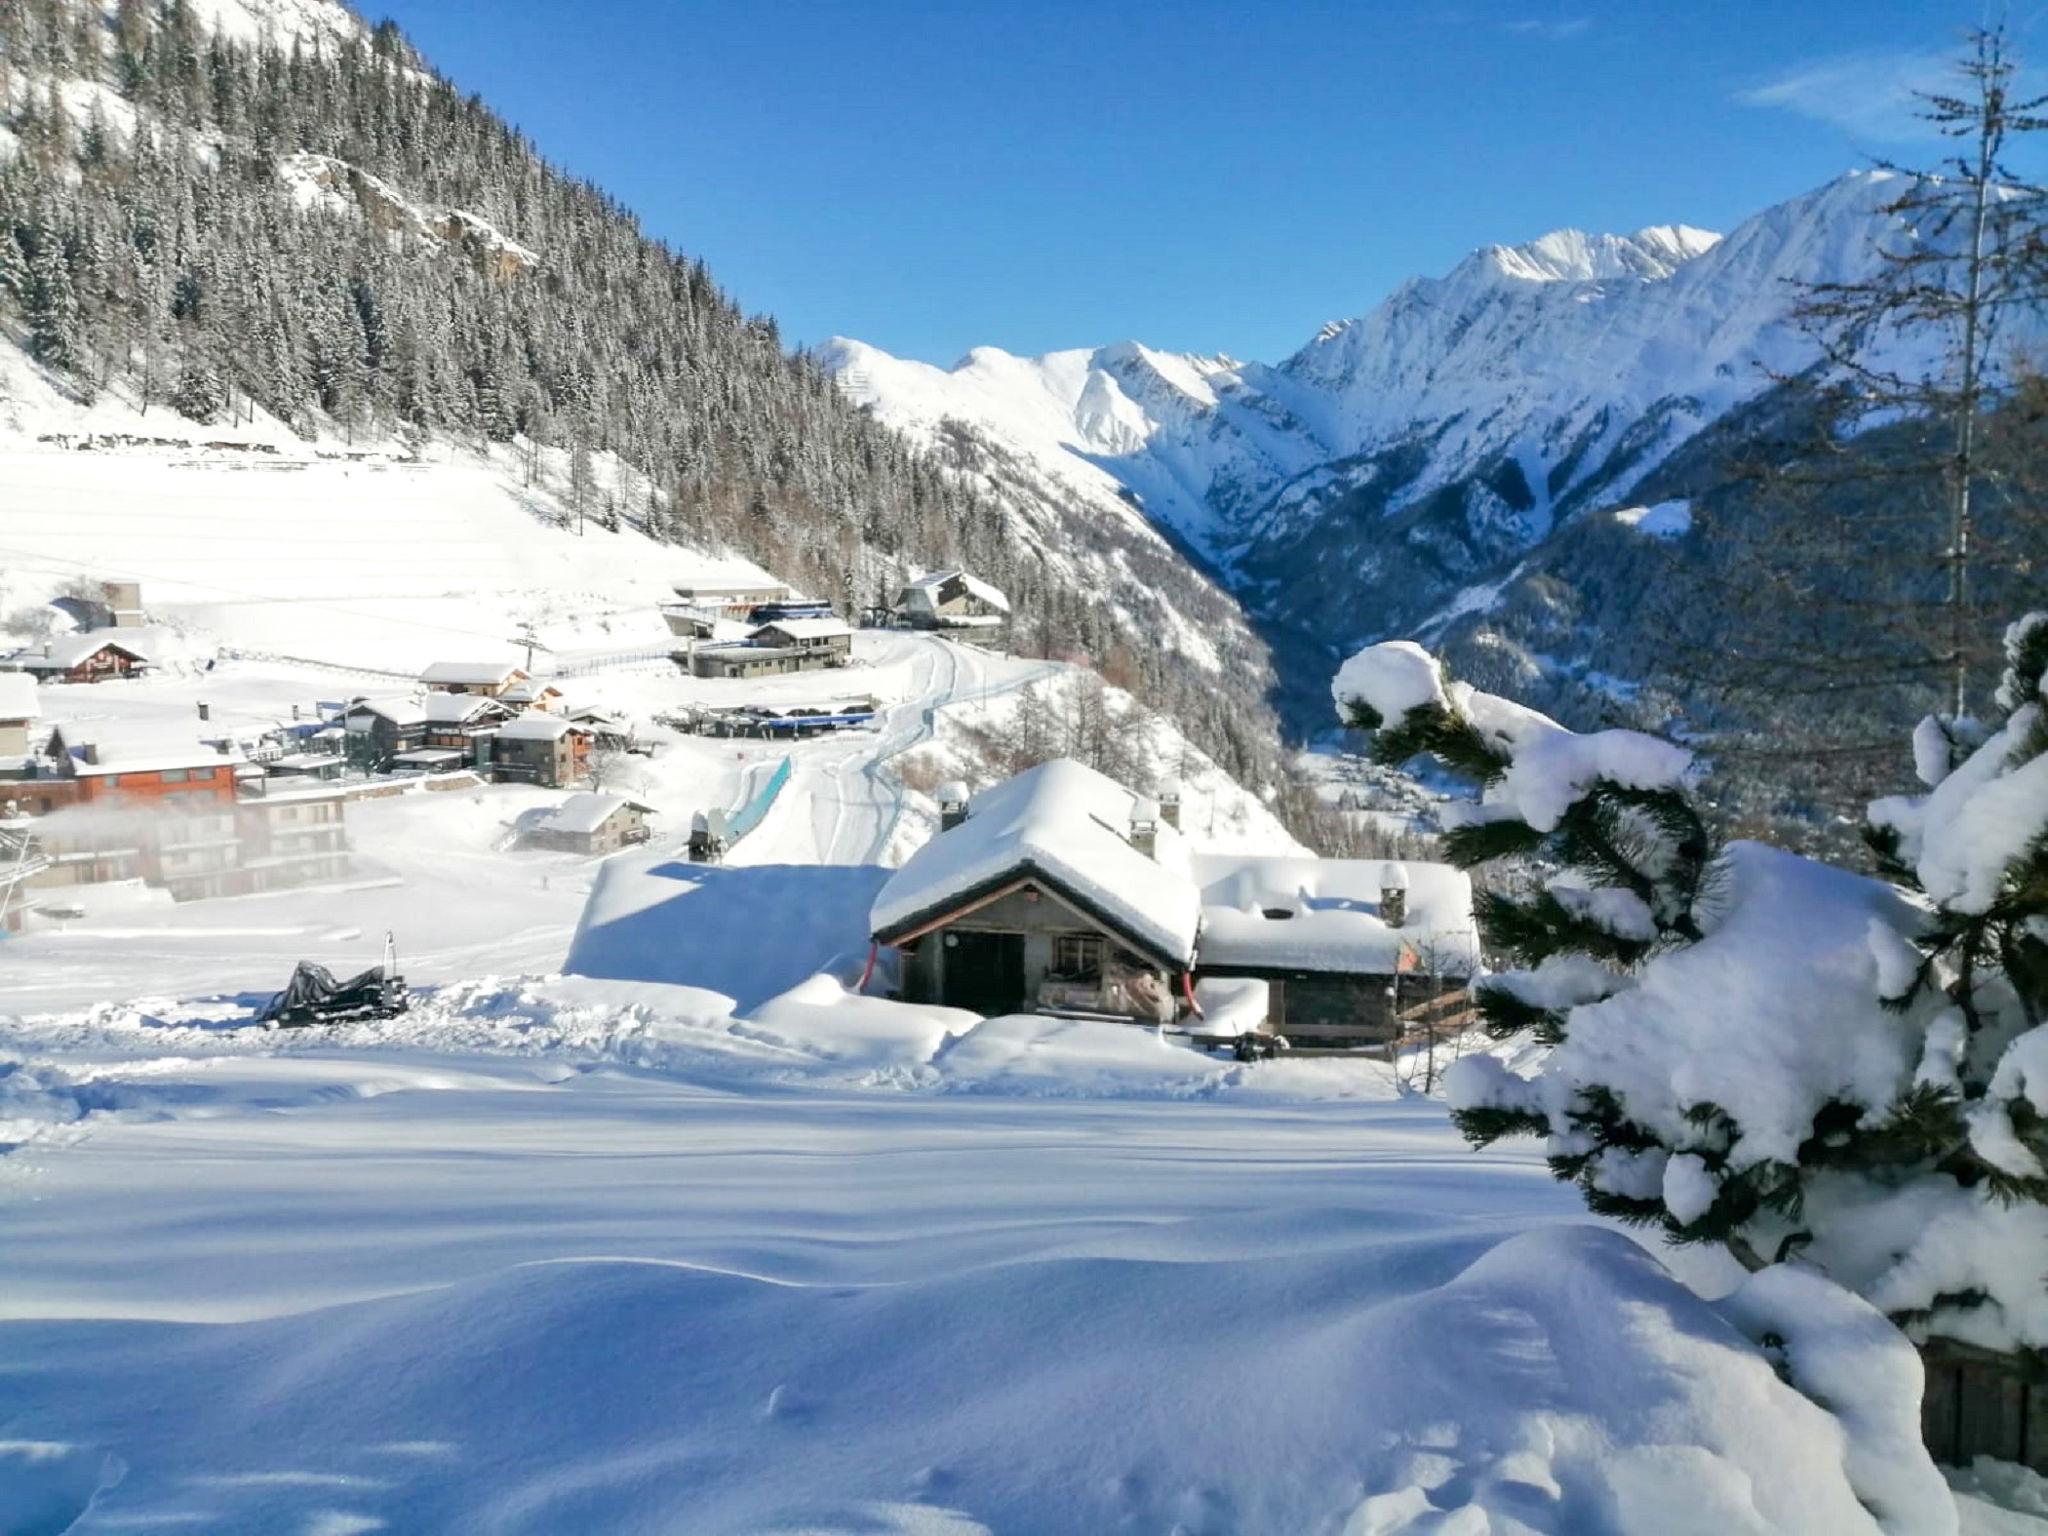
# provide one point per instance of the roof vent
(1145, 826)
(952, 799)
(1393, 894)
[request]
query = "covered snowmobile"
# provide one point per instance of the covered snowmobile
(313, 996)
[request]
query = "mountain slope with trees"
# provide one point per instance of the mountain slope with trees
(225, 211)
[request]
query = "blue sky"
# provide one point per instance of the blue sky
(1200, 176)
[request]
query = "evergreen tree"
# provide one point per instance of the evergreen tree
(49, 303)
(197, 394)
(1752, 1048)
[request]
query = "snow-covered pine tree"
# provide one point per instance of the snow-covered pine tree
(197, 394)
(1974, 849)
(1755, 1049)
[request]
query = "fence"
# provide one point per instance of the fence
(748, 816)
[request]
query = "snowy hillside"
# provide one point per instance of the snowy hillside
(332, 357)
(1448, 431)
(381, 555)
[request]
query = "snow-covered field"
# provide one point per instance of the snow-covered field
(576, 1255)
(690, 1239)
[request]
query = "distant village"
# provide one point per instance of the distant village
(1057, 890)
(203, 811)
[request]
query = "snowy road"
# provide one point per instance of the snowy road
(843, 803)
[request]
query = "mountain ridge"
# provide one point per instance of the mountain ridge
(1431, 442)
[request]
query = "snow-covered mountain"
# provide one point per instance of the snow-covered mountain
(1410, 453)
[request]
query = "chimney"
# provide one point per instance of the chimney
(952, 804)
(91, 753)
(1145, 826)
(1393, 895)
(1169, 806)
(205, 710)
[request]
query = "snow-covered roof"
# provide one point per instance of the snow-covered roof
(1064, 824)
(18, 697)
(807, 629)
(400, 709)
(535, 725)
(530, 688)
(1333, 918)
(588, 810)
(67, 651)
(471, 674)
(458, 708)
(929, 584)
(134, 748)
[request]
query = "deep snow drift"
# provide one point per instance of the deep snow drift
(580, 1256)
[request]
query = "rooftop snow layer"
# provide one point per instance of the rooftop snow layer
(807, 629)
(535, 726)
(587, 811)
(932, 581)
(126, 747)
(1332, 916)
(470, 674)
(399, 710)
(67, 651)
(457, 708)
(1067, 823)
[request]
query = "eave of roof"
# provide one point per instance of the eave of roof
(1022, 872)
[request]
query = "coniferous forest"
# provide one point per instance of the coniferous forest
(338, 237)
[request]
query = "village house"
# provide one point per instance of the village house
(729, 599)
(787, 645)
(1060, 890)
(490, 678)
(532, 693)
(952, 599)
(380, 730)
(93, 656)
(1044, 879)
(455, 720)
(592, 823)
(610, 731)
(536, 748)
(1350, 950)
(164, 804)
(19, 709)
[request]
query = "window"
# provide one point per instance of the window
(176, 775)
(1077, 955)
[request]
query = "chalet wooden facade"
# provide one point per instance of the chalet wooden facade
(952, 599)
(1060, 891)
(1042, 893)
(592, 823)
(536, 748)
(787, 645)
(492, 679)
(93, 657)
(379, 730)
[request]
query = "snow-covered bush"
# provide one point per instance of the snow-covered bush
(1752, 1048)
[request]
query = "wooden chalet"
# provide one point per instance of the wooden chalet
(592, 823)
(952, 599)
(1061, 891)
(94, 656)
(536, 748)
(490, 678)
(787, 645)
